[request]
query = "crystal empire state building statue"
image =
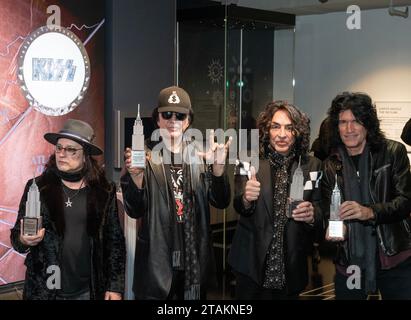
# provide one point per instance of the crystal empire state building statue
(32, 220)
(335, 226)
(296, 190)
(138, 154)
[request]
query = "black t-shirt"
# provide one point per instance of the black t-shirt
(176, 172)
(76, 255)
(175, 180)
(356, 160)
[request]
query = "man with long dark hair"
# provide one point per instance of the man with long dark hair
(81, 245)
(269, 250)
(373, 174)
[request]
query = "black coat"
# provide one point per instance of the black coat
(104, 230)
(255, 228)
(390, 188)
(153, 269)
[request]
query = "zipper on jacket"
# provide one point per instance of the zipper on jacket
(381, 242)
(406, 225)
(373, 200)
(369, 180)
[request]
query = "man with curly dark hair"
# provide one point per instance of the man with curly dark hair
(270, 247)
(373, 174)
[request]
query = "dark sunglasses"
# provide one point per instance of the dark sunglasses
(169, 114)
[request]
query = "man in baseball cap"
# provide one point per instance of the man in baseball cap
(174, 99)
(172, 199)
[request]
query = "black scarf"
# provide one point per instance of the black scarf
(362, 243)
(275, 264)
(69, 176)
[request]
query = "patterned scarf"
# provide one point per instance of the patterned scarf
(274, 275)
(192, 262)
(185, 252)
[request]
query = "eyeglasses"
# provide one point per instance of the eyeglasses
(70, 150)
(168, 115)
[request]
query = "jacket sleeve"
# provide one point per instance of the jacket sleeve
(114, 247)
(15, 231)
(239, 186)
(399, 207)
(135, 199)
(219, 192)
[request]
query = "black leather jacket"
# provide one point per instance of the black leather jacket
(390, 188)
(255, 227)
(153, 269)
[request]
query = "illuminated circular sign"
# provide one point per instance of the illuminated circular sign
(54, 70)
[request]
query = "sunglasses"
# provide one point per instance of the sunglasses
(169, 114)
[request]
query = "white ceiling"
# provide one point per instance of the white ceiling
(306, 7)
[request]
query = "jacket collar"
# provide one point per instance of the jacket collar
(52, 197)
(158, 172)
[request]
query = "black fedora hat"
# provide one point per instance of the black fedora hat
(78, 131)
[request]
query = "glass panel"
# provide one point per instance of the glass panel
(201, 71)
(227, 65)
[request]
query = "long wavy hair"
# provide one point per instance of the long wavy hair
(94, 174)
(299, 120)
(364, 112)
(321, 145)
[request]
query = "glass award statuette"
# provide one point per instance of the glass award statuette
(296, 190)
(32, 219)
(138, 155)
(336, 226)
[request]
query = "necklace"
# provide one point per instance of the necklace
(69, 202)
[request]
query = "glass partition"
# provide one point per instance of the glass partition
(226, 61)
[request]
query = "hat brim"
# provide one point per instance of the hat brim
(174, 109)
(91, 148)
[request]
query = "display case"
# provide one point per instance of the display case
(226, 60)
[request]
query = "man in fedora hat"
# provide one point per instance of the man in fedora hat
(81, 236)
(172, 196)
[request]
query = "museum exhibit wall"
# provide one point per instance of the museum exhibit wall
(330, 58)
(23, 151)
(140, 61)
